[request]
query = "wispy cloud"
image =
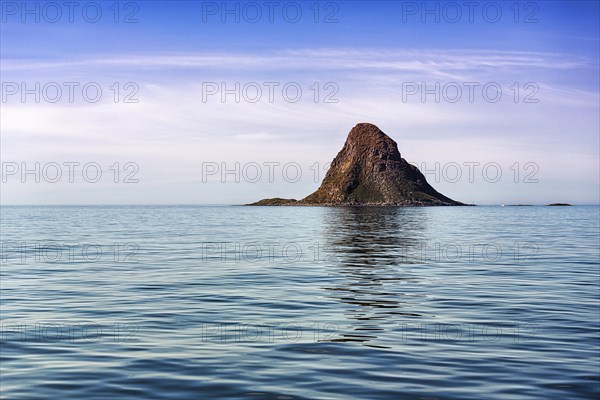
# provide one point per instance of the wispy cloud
(328, 59)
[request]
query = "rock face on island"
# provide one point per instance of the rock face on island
(370, 171)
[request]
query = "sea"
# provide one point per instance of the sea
(234, 302)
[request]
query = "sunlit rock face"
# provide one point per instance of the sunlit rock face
(370, 171)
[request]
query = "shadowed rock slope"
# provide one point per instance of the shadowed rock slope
(370, 171)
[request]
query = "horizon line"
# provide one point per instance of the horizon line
(245, 205)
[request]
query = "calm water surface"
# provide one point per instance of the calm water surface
(174, 302)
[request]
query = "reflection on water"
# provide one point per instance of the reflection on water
(374, 245)
(176, 324)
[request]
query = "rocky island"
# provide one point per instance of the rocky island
(369, 171)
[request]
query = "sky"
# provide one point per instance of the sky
(195, 102)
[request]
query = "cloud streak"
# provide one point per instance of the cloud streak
(326, 59)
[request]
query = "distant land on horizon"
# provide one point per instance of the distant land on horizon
(370, 171)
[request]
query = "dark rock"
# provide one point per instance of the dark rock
(277, 201)
(370, 171)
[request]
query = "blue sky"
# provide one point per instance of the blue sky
(366, 57)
